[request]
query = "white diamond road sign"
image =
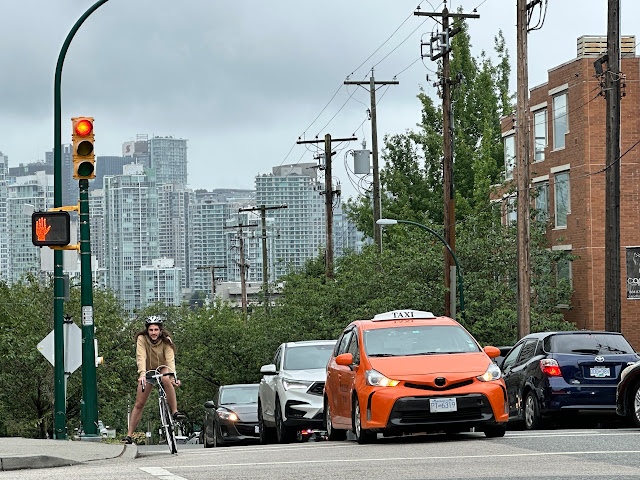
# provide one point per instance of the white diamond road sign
(72, 347)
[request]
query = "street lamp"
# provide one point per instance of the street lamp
(391, 221)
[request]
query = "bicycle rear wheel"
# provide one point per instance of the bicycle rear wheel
(167, 423)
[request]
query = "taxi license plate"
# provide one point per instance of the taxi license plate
(257, 428)
(437, 405)
(599, 372)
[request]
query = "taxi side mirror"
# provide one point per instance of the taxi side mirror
(345, 359)
(492, 352)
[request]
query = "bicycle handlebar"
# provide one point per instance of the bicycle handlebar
(158, 375)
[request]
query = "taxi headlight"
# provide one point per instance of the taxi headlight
(376, 379)
(492, 373)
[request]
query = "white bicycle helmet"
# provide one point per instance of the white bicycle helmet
(153, 320)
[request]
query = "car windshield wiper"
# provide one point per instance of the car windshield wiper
(613, 349)
(383, 355)
(585, 350)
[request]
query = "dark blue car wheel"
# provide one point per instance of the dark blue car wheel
(532, 419)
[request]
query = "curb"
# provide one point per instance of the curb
(129, 452)
(36, 461)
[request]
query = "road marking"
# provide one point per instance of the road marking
(161, 473)
(404, 459)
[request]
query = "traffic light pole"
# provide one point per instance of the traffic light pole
(89, 403)
(60, 408)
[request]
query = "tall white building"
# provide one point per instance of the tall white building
(4, 233)
(29, 193)
(130, 231)
(208, 242)
(160, 282)
(173, 227)
(168, 157)
(300, 228)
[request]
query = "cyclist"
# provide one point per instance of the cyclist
(154, 348)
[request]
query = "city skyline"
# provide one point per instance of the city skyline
(243, 82)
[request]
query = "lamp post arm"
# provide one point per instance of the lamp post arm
(453, 255)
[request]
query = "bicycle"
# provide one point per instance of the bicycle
(168, 424)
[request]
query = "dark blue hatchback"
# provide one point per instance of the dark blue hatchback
(551, 372)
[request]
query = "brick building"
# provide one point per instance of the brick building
(567, 171)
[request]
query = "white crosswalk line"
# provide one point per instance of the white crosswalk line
(161, 473)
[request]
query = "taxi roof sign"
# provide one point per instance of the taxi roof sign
(402, 314)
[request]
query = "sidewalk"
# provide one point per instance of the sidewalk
(19, 453)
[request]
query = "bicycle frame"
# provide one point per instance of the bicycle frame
(166, 418)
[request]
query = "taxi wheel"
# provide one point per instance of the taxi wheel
(283, 433)
(532, 419)
(332, 434)
(495, 431)
(362, 435)
(635, 414)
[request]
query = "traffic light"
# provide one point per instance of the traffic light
(84, 157)
(50, 229)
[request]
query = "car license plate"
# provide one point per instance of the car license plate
(437, 405)
(257, 428)
(599, 372)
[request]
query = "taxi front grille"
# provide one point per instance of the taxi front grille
(439, 389)
(415, 411)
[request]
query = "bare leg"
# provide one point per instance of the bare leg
(136, 413)
(171, 394)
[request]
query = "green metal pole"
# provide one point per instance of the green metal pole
(89, 382)
(453, 255)
(60, 408)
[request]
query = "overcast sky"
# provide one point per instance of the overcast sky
(241, 81)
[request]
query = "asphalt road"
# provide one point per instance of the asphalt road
(558, 454)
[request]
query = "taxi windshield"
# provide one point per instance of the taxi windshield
(418, 340)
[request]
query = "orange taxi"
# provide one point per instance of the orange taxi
(409, 371)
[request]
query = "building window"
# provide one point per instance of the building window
(564, 272)
(539, 134)
(560, 120)
(511, 210)
(541, 202)
(509, 156)
(562, 199)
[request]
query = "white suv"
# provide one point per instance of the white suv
(290, 392)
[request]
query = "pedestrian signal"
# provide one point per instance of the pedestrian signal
(84, 158)
(50, 229)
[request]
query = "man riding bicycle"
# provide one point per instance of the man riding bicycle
(154, 348)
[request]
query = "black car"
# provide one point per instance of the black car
(551, 373)
(233, 417)
(628, 394)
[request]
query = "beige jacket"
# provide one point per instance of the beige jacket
(150, 356)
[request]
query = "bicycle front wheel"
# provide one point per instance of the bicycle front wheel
(167, 423)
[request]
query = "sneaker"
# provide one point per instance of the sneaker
(127, 440)
(177, 416)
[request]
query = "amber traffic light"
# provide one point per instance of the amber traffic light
(50, 229)
(84, 158)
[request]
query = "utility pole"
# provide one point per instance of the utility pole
(243, 267)
(441, 50)
(523, 174)
(377, 206)
(328, 200)
(265, 274)
(612, 286)
(213, 278)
